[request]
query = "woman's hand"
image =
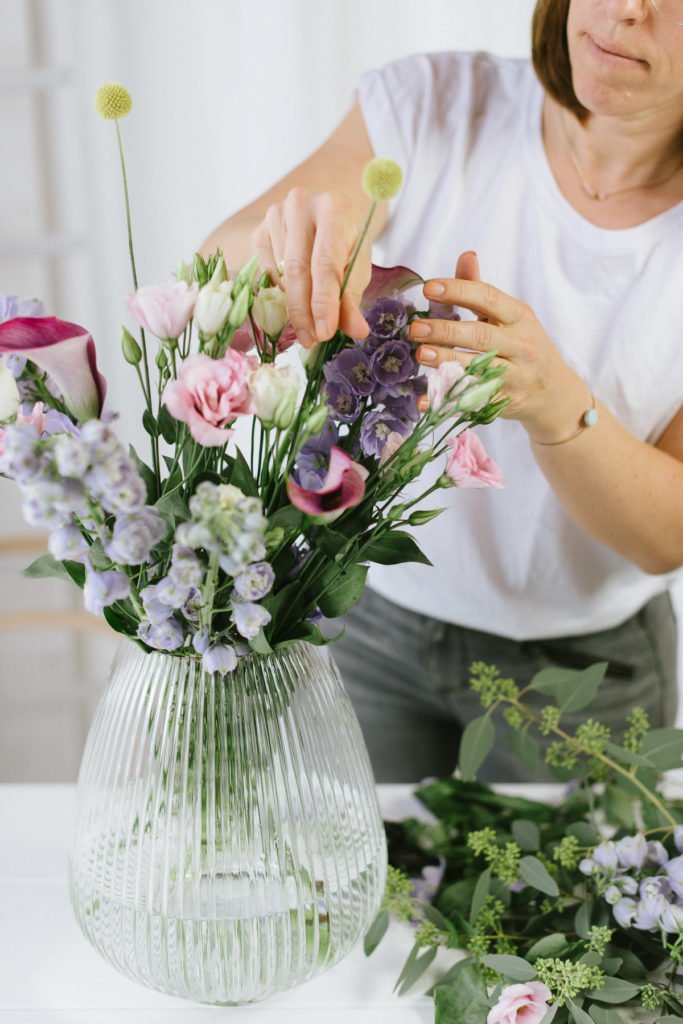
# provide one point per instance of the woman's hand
(545, 394)
(306, 243)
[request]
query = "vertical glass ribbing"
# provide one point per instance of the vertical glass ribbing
(228, 843)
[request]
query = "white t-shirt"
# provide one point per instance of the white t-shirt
(466, 129)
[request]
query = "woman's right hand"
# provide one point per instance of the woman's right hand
(312, 236)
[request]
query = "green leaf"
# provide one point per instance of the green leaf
(614, 990)
(627, 756)
(168, 426)
(525, 747)
(618, 806)
(582, 918)
(611, 964)
(584, 688)
(578, 1015)
(344, 589)
(394, 547)
(481, 891)
(98, 557)
(173, 508)
(549, 1015)
(667, 1020)
(417, 969)
(584, 832)
(46, 566)
(242, 476)
(376, 932)
(463, 998)
(329, 541)
(549, 945)
(663, 747)
(513, 967)
(554, 682)
(147, 475)
(117, 621)
(536, 875)
(526, 834)
(288, 518)
(475, 745)
(259, 644)
(150, 424)
(605, 1015)
(437, 918)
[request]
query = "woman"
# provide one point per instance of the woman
(566, 177)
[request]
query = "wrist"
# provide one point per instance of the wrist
(564, 415)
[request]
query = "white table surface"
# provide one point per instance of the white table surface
(49, 974)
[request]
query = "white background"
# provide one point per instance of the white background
(228, 96)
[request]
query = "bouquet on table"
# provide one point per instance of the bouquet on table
(566, 913)
(202, 549)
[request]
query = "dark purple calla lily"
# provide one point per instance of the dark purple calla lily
(386, 281)
(66, 352)
(343, 487)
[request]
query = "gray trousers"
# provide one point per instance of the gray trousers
(408, 678)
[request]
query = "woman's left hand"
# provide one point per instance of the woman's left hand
(545, 394)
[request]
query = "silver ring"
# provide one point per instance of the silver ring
(281, 268)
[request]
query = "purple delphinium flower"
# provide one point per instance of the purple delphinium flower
(219, 658)
(678, 838)
(135, 535)
(72, 456)
(16, 364)
(104, 588)
(11, 306)
(387, 318)
(648, 912)
(324, 440)
(427, 885)
(68, 543)
(657, 853)
(156, 610)
(162, 636)
(624, 912)
(352, 369)
(21, 459)
(605, 855)
(255, 582)
(671, 919)
(200, 640)
(632, 851)
(193, 605)
(674, 872)
(376, 429)
(249, 618)
(311, 470)
(393, 362)
(442, 311)
(342, 401)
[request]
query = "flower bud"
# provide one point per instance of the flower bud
(162, 359)
(132, 352)
(220, 272)
(199, 269)
(184, 273)
(213, 305)
(477, 396)
(381, 179)
(275, 390)
(246, 275)
(270, 311)
(315, 421)
(240, 308)
(112, 101)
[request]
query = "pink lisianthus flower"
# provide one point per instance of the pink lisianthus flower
(442, 380)
(391, 446)
(468, 465)
(343, 487)
(521, 1004)
(244, 339)
(164, 309)
(66, 352)
(209, 394)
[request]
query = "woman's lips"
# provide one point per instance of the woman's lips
(609, 56)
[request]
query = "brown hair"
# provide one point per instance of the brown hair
(550, 53)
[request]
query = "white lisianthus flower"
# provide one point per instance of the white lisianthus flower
(9, 393)
(275, 390)
(214, 303)
(270, 310)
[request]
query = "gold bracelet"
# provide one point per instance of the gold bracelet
(589, 419)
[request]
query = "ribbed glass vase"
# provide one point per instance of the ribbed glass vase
(228, 842)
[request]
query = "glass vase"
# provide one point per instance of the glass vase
(228, 842)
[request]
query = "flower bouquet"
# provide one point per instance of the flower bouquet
(227, 808)
(565, 913)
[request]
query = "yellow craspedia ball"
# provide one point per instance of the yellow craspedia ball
(382, 178)
(112, 101)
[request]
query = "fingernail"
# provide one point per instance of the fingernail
(434, 288)
(418, 329)
(323, 330)
(425, 354)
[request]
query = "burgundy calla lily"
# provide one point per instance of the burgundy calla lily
(66, 352)
(343, 487)
(386, 281)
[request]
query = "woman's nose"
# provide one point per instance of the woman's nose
(629, 10)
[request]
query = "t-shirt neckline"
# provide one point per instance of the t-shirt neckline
(614, 238)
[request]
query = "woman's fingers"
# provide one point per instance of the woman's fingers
(331, 251)
(478, 296)
(438, 337)
(298, 243)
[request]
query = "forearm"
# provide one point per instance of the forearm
(234, 238)
(624, 492)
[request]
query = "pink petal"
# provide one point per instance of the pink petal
(66, 352)
(344, 487)
(385, 281)
(206, 434)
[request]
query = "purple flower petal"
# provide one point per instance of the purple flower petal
(387, 281)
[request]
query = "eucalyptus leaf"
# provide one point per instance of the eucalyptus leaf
(417, 969)
(584, 832)
(259, 644)
(475, 745)
(668, 1020)
(536, 875)
(514, 967)
(526, 834)
(605, 1015)
(525, 747)
(578, 1015)
(376, 932)
(549, 1015)
(549, 945)
(481, 891)
(618, 807)
(627, 756)
(663, 747)
(584, 688)
(614, 990)
(463, 999)
(46, 566)
(437, 918)
(554, 682)
(582, 919)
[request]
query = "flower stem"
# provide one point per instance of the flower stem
(361, 238)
